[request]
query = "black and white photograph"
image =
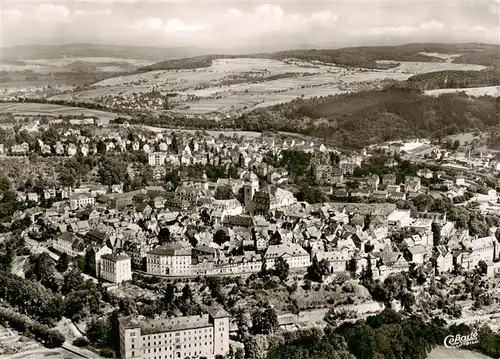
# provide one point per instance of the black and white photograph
(217, 179)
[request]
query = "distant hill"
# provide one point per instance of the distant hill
(98, 50)
(81, 66)
(84, 66)
(363, 56)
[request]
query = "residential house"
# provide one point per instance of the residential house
(425, 173)
(69, 243)
(49, 193)
(293, 254)
(412, 184)
(337, 259)
(33, 196)
(460, 180)
(483, 249)
(373, 182)
(443, 259)
(157, 159)
(418, 254)
(389, 179)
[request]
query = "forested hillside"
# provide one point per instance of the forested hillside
(486, 57)
(360, 119)
(455, 79)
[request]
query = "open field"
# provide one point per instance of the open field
(33, 109)
(493, 91)
(425, 67)
(241, 84)
(447, 57)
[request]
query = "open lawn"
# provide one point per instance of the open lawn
(34, 109)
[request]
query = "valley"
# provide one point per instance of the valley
(233, 86)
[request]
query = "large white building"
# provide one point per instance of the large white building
(196, 336)
(157, 159)
(170, 259)
(399, 218)
(115, 268)
(483, 249)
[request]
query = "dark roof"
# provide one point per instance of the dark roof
(217, 312)
(115, 257)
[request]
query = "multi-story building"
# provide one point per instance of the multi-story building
(412, 184)
(337, 260)
(94, 254)
(116, 268)
(483, 249)
(68, 243)
(170, 259)
(271, 199)
(156, 159)
(293, 254)
(190, 194)
(196, 336)
(81, 201)
(442, 259)
(328, 175)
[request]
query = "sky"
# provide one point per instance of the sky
(226, 24)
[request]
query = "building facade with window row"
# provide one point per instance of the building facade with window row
(205, 335)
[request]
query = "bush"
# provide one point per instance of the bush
(80, 342)
(107, 353)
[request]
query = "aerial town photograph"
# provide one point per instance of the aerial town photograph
(249, 180)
